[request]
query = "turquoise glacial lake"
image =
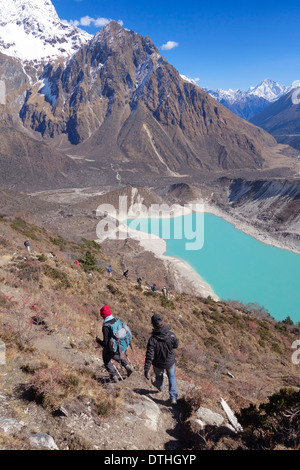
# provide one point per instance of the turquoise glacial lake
(235, 265)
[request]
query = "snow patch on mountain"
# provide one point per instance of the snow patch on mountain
(194, 81)
(31, 30)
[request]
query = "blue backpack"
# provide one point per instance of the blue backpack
(120, 337)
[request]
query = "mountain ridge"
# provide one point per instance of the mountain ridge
(281, 119)
(116, 104)
(247, 104)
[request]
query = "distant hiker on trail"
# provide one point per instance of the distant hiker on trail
(160, 354)
(165, 291)
(116, 339)
(126, 274)
(109, 270)
(153, 288)
(27, 246)
(77, 263)
(139, 281)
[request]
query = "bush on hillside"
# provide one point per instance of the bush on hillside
(274, 423)
(89, 263)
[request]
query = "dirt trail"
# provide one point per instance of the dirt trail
(5, 259)
(147, 421)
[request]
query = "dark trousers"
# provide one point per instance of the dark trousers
(108, 356)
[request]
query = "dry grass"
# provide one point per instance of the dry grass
(214, 337)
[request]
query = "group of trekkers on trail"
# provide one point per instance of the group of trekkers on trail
(139, 280)
(117, 338)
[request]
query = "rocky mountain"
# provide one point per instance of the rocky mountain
(118, 108)
(247, 104)
(118, 100)
(282, 120)
(32, 31)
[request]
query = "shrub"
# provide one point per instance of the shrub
(19, 225)
(112, 289)
(150, 293)
(276, 422)
(166, 303)
(20, 327)
(208, 301)
(89, 263)
(276, 348)
(59, 241)
(288, 321)
(91, 244)
(197, 313)
(57, 275)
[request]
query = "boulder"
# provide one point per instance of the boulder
(146, 410)
(42, 440)
(10, 425)
(208, 417)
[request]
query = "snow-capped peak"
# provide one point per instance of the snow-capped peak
(269, 90)
(246, 104)
(32, 30)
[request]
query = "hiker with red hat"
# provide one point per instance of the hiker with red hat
(108, 353)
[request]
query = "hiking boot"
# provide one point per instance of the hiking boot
(114, 379)
(129, 370)
(173, 401)
(156, 385)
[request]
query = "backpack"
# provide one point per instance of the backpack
(120, 337)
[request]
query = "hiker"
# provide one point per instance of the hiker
(108, 353)
(153, 287)
(27, 245)
(139, 281)
(160, 354)
(126, 274)
(77, 263)
(109, 270)
(165, 291)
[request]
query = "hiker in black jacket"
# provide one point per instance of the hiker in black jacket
(160, 355)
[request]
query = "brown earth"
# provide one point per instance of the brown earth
(57, 362)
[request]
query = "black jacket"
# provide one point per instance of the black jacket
(160, 349)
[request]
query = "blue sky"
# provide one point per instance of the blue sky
(223, 44)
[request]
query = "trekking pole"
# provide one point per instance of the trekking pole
(127, 357)
(117, 371)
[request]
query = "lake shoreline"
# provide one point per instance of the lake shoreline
(187, 278)
(263, 284)
(247, 228)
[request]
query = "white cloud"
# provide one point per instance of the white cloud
(88, 21)
(169, 45)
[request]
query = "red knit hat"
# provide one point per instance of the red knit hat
(105, 311)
